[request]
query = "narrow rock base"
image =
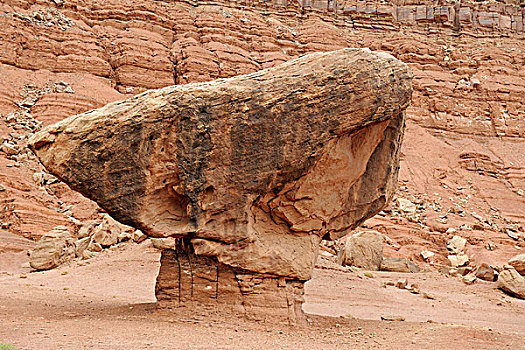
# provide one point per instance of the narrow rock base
(202, 285)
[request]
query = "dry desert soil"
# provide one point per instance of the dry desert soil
(108, 302)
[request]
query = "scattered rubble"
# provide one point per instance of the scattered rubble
(469, 278)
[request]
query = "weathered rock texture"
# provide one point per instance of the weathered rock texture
(511, 282)
(194, 281)
(364, 249)
(53, 249)
(399, 265)
(253, 171)
(518, 262)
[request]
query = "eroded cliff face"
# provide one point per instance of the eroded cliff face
(463, 151)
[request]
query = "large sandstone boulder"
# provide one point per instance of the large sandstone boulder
(53, 249)
(250, 172)
(511, 282)
(364, 249)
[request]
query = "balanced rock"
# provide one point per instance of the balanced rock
(53, 249)
(248, 173)
(511, 282)
(399, 265)
(518, 262)
(364, 249)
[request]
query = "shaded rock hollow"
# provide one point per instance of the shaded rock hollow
(248, 172)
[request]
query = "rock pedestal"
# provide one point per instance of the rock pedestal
(199, 283)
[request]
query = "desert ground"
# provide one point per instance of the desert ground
(108, 302)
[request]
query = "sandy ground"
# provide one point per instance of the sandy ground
(108, 303)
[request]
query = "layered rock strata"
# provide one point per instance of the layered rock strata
(251, 171)
(201, 282)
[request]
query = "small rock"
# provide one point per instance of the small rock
(456, 245)
(125, 236)
(518, 262)
(406, 206)
(445, 270)
(469, 279)
(458, 260)
(428, 296)
(9, 149)
(364, 249)
(163, 243)
(413, 288)
(401, 284)
(368, 274)
(392, 318)
(426, 254)
(511, 282)
(81, 245)
(326, 254)
(451, 230)
(515, 236)
(486, 272)
(53, 249)
(95, 247)
(399, 265)
(464, 270)
(139, 237)
(86, 228)
(107, 232)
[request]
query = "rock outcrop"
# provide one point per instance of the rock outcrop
(465, 126)
(250, 171)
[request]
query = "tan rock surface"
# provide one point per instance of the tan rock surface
(364, 249)
(53, 249)
(399, 265)
(511, 282)
(518, 262)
